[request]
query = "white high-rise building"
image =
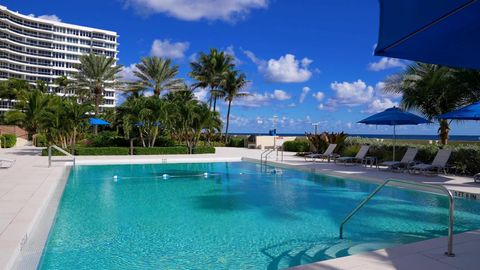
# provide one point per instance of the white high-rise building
(36, 49)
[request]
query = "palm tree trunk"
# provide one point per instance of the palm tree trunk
(444, 131)
(215, 104)
(228, 120)
(98, 93)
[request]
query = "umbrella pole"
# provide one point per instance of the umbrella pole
(394, 141)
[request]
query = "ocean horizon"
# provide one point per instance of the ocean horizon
(467, 138)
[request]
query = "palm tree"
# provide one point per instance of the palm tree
(63, 84)
(76, 117)
(429, 89)
(156, 73)
(232, 85)
(29, 111)
(209, 71)
(96, 73)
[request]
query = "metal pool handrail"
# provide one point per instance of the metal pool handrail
(60, 150)
(265, 155)
(449, 251)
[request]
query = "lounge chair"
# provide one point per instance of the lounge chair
(406, 162)
(359, 158)
(439, 163)
(328, 154)
(6, 163)
(476, 177)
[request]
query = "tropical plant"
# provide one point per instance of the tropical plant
(28, 111)
(209, 71)
(64, 84)
(232, 86)
(321, 141)
(95, 74)
(12, 88)
(431, 90)
(158, 74)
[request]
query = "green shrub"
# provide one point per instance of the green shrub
(41, 140)
(55, 152)
(161, 150)
(164, 141)
(236, 142)
(204, 150)
(298, 145)
(100, 151)
(8, 140)
(108, 139)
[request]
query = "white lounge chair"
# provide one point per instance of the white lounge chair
(439, 163)
(407, 160)
(6, 163)
(359, 158)
(328, 154)
(476, 177)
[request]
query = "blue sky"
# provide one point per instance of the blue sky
(308, 61)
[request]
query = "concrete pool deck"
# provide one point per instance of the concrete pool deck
(27, 188)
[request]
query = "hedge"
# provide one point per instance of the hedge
(160, 150)
(8, 140)
(102, 151)
(177, 150)
(300, 145)
(204, 150)
(236, 142)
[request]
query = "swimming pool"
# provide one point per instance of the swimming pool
(238, 215)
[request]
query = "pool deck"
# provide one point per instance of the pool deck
(27, 188)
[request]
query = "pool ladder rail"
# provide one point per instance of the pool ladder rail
(264, 155)
(61, 151)
(449, 251)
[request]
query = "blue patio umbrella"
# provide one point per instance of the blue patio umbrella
(99, 122)
(432, 31)
(470, 112)
(394, 117)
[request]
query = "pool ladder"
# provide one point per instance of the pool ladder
(449, 251)
(61, 151)
(265, 155)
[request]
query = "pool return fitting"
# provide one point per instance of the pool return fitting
(447, 192)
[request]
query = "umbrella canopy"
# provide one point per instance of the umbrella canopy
(470, 112)
(431, 31)
(99, 122)
(394, 117)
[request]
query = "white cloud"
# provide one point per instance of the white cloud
(330, 105)
(52, 17)
(257, 99)
(192, 10)
(230, 50)
(319, 96)
(380, 104)
(286, 69)
(380, 91)
(201, 94)
(280, 95)
(165, 48)
(352, 94)
(127, 73)
(304, 93)
(349, 125)
(385, 63)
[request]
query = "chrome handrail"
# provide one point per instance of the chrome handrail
(449, 251)
(61, 151)
(265, 155)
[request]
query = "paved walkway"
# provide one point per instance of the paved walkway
(27, 187)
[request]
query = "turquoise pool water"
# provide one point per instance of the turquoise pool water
(238, 216)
